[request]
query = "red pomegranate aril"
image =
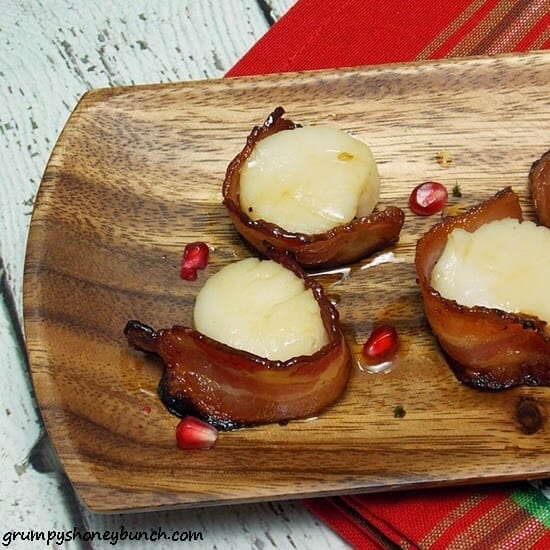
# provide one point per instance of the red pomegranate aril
(428, 198)
(193, 433)
(381, 344)
(195, 257)
(188, 274)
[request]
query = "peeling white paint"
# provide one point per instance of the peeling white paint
(51, 52)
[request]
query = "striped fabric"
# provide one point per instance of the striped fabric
(499, 517)
(324, 34)
(493, 27)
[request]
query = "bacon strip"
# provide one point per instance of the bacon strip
(486, 347)
(539, 184)
(230, 388)
(343, 244)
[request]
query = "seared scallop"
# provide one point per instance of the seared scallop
(260, 307)
(312, 191)
(309, 180)
(267, 346)
(503, 264)
(484, 298)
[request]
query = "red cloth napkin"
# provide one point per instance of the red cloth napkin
(323, 34)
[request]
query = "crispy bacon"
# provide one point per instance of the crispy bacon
(487, 348)
(343, 244)
(230, 388)
(539, 184)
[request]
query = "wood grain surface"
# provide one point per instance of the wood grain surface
(137, 174)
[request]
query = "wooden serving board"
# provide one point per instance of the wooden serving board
(136, 175)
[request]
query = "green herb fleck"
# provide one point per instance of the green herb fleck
(399, 411)
(457, 192)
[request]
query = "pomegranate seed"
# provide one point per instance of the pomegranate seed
(193, 433)
(195, 257)
(381, 344)
(428, 198)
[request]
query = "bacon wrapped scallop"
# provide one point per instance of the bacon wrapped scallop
(308, 190)
(271, 351)
(484, 282)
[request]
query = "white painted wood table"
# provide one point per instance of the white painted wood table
(51, 52)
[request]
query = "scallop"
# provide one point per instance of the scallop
(488, 258)
(504, 264)
(271, 307)
(272, 314)
(311, 191)
(309, 180)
